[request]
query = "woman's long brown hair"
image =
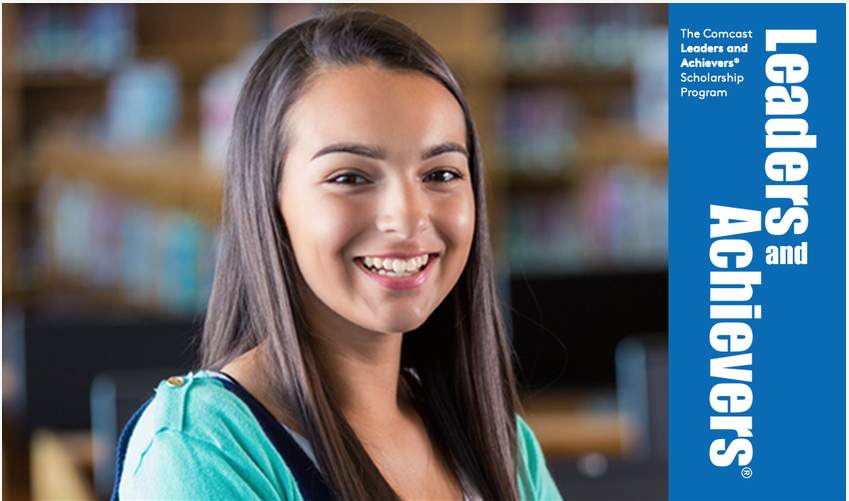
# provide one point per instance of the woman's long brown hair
(458, 364)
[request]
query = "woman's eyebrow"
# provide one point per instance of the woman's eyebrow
(444, 148)
(353, 149)
(380, 154)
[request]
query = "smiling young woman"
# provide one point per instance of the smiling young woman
(384, 177)
(353, 347)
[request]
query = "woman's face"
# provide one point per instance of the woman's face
(377, 196)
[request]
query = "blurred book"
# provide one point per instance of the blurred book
(143, 103)
(82, 39)
(614, 219)
(538, 130)
(162, 257)
(603, 37)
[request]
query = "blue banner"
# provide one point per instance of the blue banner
(757, 251)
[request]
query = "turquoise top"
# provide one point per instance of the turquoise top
(197, 440)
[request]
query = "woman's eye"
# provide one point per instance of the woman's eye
(349, 178)
(442, 176)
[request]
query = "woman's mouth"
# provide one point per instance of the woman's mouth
(402, 272)
(392, 267)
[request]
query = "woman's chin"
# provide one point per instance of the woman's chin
(396, 322)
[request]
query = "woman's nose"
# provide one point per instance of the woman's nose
(403, 210)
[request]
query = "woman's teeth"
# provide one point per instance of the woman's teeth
(396, 267)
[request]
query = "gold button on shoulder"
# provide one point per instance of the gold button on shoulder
(175, 381)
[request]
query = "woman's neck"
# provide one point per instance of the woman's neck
(362, 371)
(361, 368)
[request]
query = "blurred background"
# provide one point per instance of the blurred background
(115, 125)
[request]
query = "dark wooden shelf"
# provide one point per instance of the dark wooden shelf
(565, 425)
(606, 142)
(52, 81)
(192, 60)
(518, 181)
(19, 195)
(164, 175)
(603, 144)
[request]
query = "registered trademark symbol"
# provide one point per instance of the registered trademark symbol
(736, 59)
(747, 472)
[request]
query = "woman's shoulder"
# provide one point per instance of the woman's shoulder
(197, 438)
(536, 473)
(194, 404)
(529, 445)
